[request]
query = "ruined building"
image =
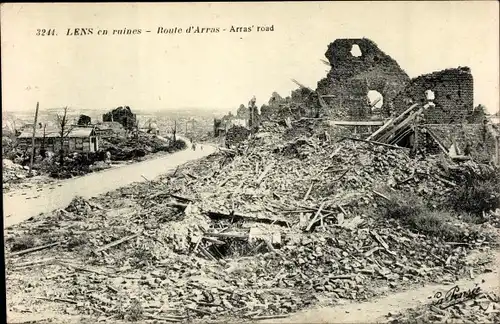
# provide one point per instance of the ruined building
(122, 115)
(369, 93)
(358, 67)
(451, 92)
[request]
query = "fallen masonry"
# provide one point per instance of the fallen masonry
(323, 197)
(277, 224)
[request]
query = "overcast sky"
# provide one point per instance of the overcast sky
(153, 72)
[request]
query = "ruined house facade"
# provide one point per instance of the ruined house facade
(358, 66)
(452, 93)
(365, 86)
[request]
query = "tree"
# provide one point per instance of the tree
(62, 122)
(12, 126)
(84, 120)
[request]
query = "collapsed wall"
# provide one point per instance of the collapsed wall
(450, 90)
(357, 67)
(480, 141)
(303, 102)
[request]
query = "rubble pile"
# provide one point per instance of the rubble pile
(236, 135)
(123, 115)
(257, 232)
(12, 172)
(15, 176)
(127, 149)
(482, 308)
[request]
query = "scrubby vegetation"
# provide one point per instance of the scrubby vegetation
(413, 213)
(476, 194)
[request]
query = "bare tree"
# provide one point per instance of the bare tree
(12, 125)
(62, 122)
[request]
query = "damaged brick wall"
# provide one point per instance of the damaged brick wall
(301, 103)
(358, 65)
(453, 95)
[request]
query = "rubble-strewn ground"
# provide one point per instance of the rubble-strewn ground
(15, 176)
(483, 307)
(270, 228)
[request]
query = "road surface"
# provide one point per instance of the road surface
(23, 204)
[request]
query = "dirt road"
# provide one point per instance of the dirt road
(375, 311)
(22, 204)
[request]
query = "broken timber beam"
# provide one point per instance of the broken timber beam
(403, 114)
(186, 199)
(437, 140)
(229, 235)
(356, 123)
(34, 249)
(218, 215)
(376, 143)
(315, 218)
(117, 242)
(381, 129)
(399, 125)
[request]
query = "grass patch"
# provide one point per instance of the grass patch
(476, 194)
(22, 243)
(414, 214)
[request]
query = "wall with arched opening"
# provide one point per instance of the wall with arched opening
(358, 65)
(451, 92)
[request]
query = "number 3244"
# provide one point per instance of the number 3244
(45, 32)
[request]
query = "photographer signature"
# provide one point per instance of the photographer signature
(454, 296)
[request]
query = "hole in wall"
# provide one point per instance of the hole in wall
(356, 51)
(375, 99)
(429, 95)
(448, 97)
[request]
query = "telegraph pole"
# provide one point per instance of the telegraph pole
(30, 172)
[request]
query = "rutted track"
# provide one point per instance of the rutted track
(23, 204)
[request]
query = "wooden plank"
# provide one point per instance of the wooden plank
(34, 249)
(357, 123)
(436, 139)
(389, 123)
(399, 125)
(402, 115)
(117, 242)
(376, 143)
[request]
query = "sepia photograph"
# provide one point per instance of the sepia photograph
(251, 162)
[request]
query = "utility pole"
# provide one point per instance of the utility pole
(175, 129)
(30, 173)
(497, 149)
